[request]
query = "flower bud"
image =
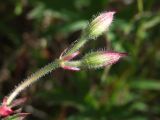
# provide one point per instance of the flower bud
(6, 110)
(100, 24)
(101, 59)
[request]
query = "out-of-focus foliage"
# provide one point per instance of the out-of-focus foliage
(34, 32)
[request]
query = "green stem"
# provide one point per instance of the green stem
(140, 6)
(76, 63)
(80, 43)
(30, 80)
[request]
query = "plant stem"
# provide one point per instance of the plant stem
(76, 46)
(30, 80)
(75, 63)
(140, 6)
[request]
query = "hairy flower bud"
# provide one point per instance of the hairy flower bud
(100, 24)
(101, 59)
(93, 60)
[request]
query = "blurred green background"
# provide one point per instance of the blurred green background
(35, 32)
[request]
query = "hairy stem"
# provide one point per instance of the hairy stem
(80, 43)
(76, 63)
(30, 80)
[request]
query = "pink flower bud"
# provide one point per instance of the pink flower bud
(93, 60)
(101, 59)
(100, 24)
(6, 110)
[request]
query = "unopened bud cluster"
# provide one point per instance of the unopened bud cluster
(95, 28)
(91, 60)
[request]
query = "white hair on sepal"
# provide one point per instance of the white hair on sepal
(94, 16)
(97, 50)
(89, 25)
(102, 49)
(95, 68)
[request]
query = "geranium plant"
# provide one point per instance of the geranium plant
(97, 59)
